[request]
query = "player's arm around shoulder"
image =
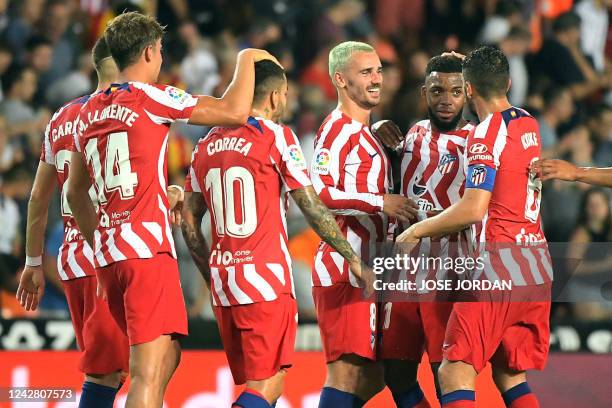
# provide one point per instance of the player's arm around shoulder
(321, 219)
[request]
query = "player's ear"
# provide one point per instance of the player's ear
(274, 99)
(339, 80)
(148, 53)
(509, 84)
(423, 90)
(468, 89)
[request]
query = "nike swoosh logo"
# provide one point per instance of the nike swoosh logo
(372, 155)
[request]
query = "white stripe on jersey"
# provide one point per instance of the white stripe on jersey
(505, 254)
(155, 230)
(113, 251)
(533, 265)
(195, 184)
(74, 266)
(547, 267)
(355, 242)
(60, 266)
(281, 144)
(321, 270)
(233, 287)
(218, 285)
(88, 253)
(164, 98)
(169, 237)
(500, 142)
(285, 250)
(133, 240)
(278, 271)
(255, 279)
(98, 244)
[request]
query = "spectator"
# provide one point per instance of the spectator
(198, 68)
(39, 57)
(19, 87)
(515, 46)
(9, 154)
(558, 108)
(6, 59)
(600, 125)
(594, 30)
(58, 30)
(594, 226)
(77, 83)
(20, 28)
(496, 27)
(563, 61)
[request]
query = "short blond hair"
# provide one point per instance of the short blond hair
(342, 53)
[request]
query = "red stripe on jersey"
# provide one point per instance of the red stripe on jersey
(493, 128)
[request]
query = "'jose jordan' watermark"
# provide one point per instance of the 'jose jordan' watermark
(413, 265)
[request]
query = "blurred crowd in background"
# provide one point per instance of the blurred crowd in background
(560, 54)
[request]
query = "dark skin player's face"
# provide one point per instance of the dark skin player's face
(445, 96)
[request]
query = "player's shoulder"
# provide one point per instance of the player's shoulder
(491, 127)
(337, 124)
(161, 93)
(72, 107)
(421, 127)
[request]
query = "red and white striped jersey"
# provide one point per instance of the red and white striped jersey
(75, 258)
(500, 151)
(244, 174)
(433, 166)
(123, 134)
(351, 173)
(433, 176)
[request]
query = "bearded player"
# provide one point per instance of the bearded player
(352, 175)
(104, 348)
(121, 139)
(511, 333)
(432, 175)
(250, 268)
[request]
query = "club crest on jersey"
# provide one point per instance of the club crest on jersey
(296, 156)
(446, 163)
(320, 164)
(176, 94)
(418, 189)
(479, 174)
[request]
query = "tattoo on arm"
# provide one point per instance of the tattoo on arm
(322, 221)
(194, 210)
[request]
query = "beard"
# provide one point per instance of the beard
(442, 125)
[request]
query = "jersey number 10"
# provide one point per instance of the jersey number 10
(225, 204)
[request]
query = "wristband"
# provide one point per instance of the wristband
(33, 260)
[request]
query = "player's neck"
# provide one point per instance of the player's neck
(102, 85)
(485, 108)
(261, 112)
(354, 111)
(135, 73)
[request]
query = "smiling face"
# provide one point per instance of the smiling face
(362, 79)
(445, 99)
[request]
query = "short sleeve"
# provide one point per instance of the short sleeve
(46, 154)
(166, 104)
(191, 180)
(287, 155)
(484, 147)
